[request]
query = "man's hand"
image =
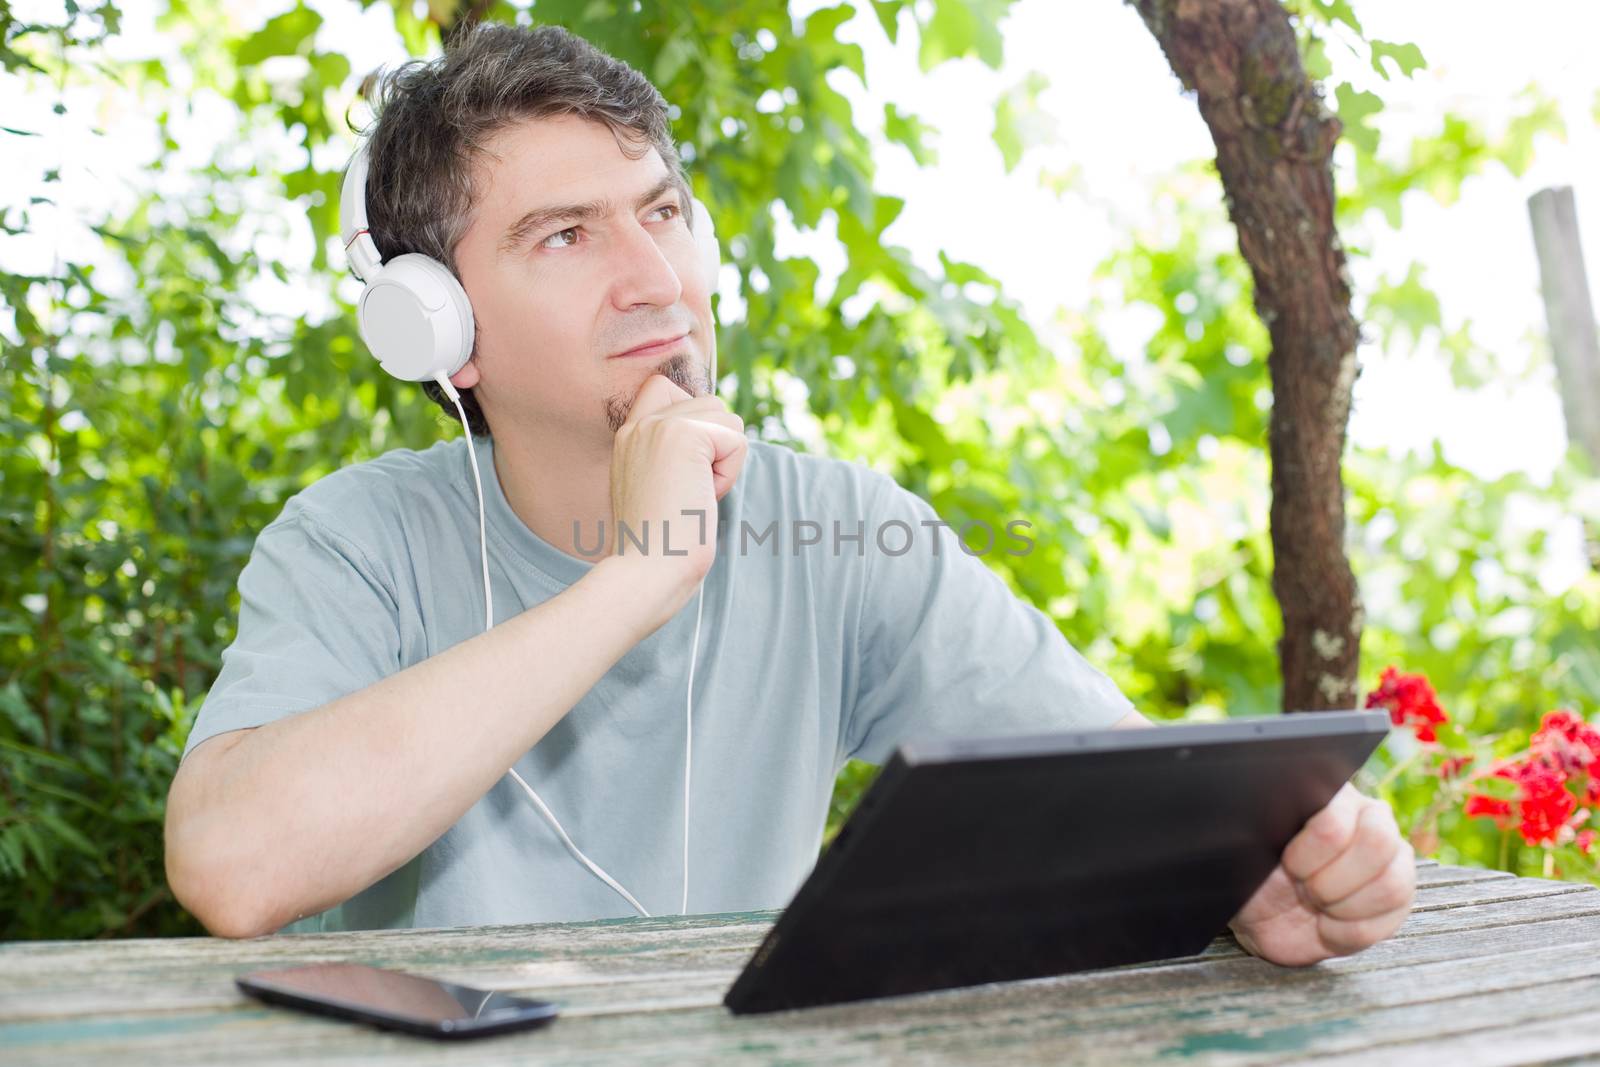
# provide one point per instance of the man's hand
(1345, 883)
(672, 460)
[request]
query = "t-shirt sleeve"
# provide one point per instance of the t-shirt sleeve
(318, 619)
(944, 648)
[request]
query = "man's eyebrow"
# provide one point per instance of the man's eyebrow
(543, 217)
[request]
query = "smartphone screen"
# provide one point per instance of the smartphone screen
(396, 1000)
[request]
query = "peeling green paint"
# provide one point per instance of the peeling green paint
(1282, 1039)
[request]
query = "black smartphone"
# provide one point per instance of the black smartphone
(395, 1000)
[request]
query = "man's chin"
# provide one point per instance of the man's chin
(681, 369)
(686, 372)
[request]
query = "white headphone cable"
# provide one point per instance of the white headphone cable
(688, 743)
(483, 541)
(688, 700)
(488, 599)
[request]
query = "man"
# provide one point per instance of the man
(348, 768)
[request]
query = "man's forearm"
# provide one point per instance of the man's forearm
(267, 825)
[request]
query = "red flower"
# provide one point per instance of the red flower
(1451, 768)
(1411, 702)
(1585, 841)
(1571, 744)
(1479, 807)
(1543, 803)
(1543, 806)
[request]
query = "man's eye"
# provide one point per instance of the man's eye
(573, 230)
(669, 207)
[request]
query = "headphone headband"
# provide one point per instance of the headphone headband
(358, 243)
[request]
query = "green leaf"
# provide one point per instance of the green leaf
(963, 27)
(821, 34)
(885, 209)
(1332, 11)
(69, 835)
(904, 128)
(1406, 57)
(888, 12)
(1019, 122)
(1354, 108)
(332, 68)
(1407, 306)
(822, 26)
(963, 273)
(1542, 117)
(288, 34)
(1315, 58)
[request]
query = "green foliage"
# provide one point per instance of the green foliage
(156, 419)
(1019, 122)
(1355, 107)
(1406, 58)
(960, 28)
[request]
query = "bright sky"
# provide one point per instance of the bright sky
(1121, 120)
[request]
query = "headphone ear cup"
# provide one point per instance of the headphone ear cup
(705, 239)
(416, 319)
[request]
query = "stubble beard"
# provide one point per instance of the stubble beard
(680, 369)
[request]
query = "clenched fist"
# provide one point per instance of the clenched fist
(673, 459)
(1344, 883)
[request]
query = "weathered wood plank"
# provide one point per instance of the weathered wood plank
(70, 977)
(650, 991)
(1228, 1015)
(598, 937)
(149, 969)
(1437, 875)
(1164, 989)
(1467, 916)
(1564, 1038)
(1490, 891)
(182, 982)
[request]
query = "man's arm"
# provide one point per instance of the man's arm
(943, 647)
(285, 820)
(269, 824)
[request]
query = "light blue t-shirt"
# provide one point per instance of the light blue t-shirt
(810, 653)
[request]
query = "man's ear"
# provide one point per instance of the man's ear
(467, 376)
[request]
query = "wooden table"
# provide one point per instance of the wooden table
(1489, 969)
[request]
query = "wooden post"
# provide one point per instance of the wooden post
(1569, 313)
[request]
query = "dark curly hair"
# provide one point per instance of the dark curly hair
(432, 119)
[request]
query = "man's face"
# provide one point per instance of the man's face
(559, 295)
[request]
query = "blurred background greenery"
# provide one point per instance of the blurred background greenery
(158, 413)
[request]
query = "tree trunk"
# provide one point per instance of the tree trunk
(1274, 148)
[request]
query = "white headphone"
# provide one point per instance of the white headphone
(416, 319)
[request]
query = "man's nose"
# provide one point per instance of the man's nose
(643, 273)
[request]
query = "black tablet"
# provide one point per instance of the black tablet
(986, 860)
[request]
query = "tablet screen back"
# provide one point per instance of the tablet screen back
(1000, 859)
